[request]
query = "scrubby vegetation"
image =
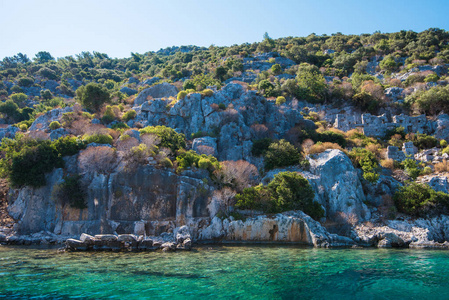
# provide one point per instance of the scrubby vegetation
(287, 191)
(420, 200)
(26, 161)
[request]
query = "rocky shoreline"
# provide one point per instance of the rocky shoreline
(292, 227)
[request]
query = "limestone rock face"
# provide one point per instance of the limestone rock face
(43, 121)
(147, 201)
(385, 187)
(294, 227)
(158, 91)
(246, 116)
(439, 184)
(205, 145)
(337, 184)
(442, 130)
(420, 233)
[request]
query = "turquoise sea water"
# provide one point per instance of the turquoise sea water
(224, 272)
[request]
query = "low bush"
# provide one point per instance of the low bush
(281, 154)
(420, 200)
(411, 168)
(186, 159)
(280, 100)
(169, 138)
(287, 191)
(120, 125)
(424, 141)
(207, 93)
(366, 160)
(98, 138)
(25, 161)
(129, 115)
(54, 125)
(181, 95)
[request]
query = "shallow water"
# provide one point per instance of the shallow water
(245, 272)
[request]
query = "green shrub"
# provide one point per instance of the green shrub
(443, 143)
(169, 137)
(188, 85)
(222, 106)
(25, 81)
(23, 127)
(287, 191)
(280, 100)
(311, 83)
(411, 168)
(276, 69)
(281, 154)
(420, 200)
(109, 115)
(424, 141)
(427, 170)
(54, 125)
(181, 95)
(46, 94)
(431, 78)
(445, 150)
(98, 138)
(166, 162)
(414, 78)
(26, 161)
(325, 137)
(261, 146)
(266, 87)
(69, 145)
(129, 115)
(367, 161)
(366, 102)
(388, 64)
(190, 158)
(19, 98)
(207, 93)
(93, 96)
(71, 192)
(120, 125)
(291, 191)
(432, 101)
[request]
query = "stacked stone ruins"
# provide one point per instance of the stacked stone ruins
(377, 126)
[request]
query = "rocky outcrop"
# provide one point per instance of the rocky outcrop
(337, 185)
(289, 227)
(246, 116)
(420, 233)
(205, 145)
(163, 90)
(42, 122)
(146, 201)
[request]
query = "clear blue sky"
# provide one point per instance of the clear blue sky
(121, 27)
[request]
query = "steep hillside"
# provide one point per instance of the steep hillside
(350, 130)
